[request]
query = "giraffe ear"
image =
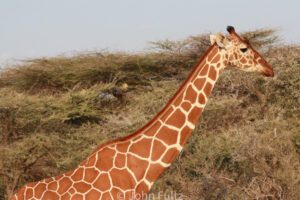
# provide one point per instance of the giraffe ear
(220, 39)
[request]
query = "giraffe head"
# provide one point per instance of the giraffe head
(240, 54)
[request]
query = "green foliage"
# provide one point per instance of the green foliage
(247, 146)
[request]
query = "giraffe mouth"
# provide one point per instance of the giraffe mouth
(268, 72)
(266, 68)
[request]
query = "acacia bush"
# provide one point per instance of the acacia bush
(247, 145)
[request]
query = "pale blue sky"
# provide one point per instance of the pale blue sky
(34, 28)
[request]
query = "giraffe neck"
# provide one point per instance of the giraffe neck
(183, 111)
(130, 165)
(148, 152)
(173, 126)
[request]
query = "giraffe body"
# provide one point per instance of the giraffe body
(127, 168)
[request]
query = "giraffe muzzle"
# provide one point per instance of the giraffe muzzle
(267, 69)
(268, 72)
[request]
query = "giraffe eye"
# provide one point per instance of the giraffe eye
(244, 50)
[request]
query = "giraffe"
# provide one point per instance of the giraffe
(126, 168)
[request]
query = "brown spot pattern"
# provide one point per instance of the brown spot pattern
(141, 148)
(122, 164)
(167, 135)
(177, 119)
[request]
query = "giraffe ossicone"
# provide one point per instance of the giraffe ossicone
(127, 167)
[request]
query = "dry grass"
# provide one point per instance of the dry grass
(247, 145)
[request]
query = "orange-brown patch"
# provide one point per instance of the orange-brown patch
(90, 174)
(58, 177)
(152, 130)
(178, 99)
(123, 147)
(167, 135)
(154, 172)
(186, 106)
(82, 187)
(208, 88)
(32, 184)
(199, 83)
(204, 70)
(49, 195)
(117, 194)
(137, 166)
(77, 197)
(185, 134)
(194, 115)
(21, 193)
(166, 114)
(177, 119)
(212, 54)
(142, 188)
(170, 155)
(52, 186)
(213, 73)
(78, 175)
(129, 195)
(216, 59)
(64, 184)
(158, 150)
(243, 60)
(136, 138)
(39, 189)
(105, 159)
(93, 195)
(102, 183)
(120, 160)
(90, 161)
(122, 179)
(72, 191)
(141, 148)
(106, 196)
(29, 193)
(191, 94)
(201, 99)
(66, 196)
